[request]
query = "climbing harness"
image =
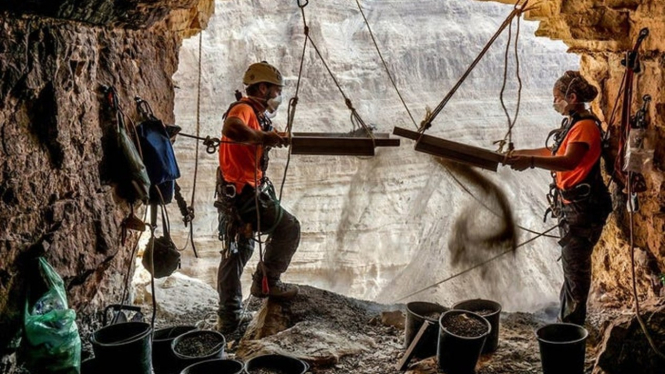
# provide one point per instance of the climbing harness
(264, 123)
(233, 205)
(587, 188)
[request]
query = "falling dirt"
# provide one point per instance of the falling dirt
(476, 235)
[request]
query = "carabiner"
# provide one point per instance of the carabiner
(303, 5)
(211, 144)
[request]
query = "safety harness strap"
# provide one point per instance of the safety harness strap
(264, 122)
(590, 185)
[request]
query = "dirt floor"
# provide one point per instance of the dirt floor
(517, 352)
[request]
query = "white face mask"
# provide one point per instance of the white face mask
(270, 114)
(560, 106)
(274, 103)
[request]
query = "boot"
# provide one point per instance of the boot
(230, 324)
(276, 288)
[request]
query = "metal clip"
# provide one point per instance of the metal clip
(230, 191)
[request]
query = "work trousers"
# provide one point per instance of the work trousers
(580, 231)
(279, 249)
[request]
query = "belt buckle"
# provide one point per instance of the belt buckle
(230, 191)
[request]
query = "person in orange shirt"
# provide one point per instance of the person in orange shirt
(580, 199)
(246, 199)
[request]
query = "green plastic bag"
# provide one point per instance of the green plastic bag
(51, 339)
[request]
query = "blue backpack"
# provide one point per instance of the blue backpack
(158, 155)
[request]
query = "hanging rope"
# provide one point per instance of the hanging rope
(475, 266)
(293, 102)
(508, 137)
(198, 117)
(264, 281)
(611, 123)
(385, 65)
(356, 119)
(427, 122)
(643, 325)
(189, 218)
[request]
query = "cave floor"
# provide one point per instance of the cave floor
(517, 353)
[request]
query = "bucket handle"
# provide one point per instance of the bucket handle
(117, 308)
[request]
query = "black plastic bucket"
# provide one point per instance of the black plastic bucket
(285, 364)
(459, 354)
(218, 366)
(562, 348)
(478, 305)
(124, 348)
(215, 343)
(416, 313)
(163, 359)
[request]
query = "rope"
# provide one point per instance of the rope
(643, 325)
(152, 277)
(293, 102)
(475, 266)
(427, 122)
(258, 219)
(385, 65)
(611, 123)
(508, 138)
(196, 149)
(126, 281)
(354, 114)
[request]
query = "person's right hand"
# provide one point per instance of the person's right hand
(273, 139)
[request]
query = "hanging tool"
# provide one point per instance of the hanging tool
(210, 143)
(632, 64)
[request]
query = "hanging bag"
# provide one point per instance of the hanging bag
(51, 339)
(158, 155)
(161, 257)
(131, 177)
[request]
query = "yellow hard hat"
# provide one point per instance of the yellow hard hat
(262, 72)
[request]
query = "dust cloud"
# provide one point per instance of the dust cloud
(485, 229)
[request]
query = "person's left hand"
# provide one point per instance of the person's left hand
(518, 163)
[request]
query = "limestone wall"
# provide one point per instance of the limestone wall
(601, 32)
(54, 197)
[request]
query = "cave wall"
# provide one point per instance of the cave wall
(55, 55)
(54, 197)
(601, 32)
